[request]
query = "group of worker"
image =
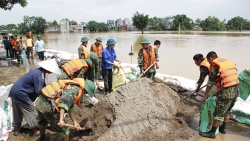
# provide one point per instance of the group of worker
(75, 78)
(223, 74)
(78, 77)
(14, 47)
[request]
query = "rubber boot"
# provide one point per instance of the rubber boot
(223, 128)
(210, 134)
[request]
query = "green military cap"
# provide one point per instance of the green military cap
(84, 39)
(99, 39)
(144, 41)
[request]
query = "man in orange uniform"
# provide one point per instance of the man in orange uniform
(223, 74)
(98, 48)
(146, 57)
(204, 69)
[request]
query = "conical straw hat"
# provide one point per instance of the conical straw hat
(50, 65)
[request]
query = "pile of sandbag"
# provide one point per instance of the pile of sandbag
(6, 117)
(241, 111)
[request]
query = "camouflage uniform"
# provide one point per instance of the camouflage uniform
(80, 50)
(49, 115)
(152, 71)
(93, 72)
(225, 98)
(19, 53)
(98, 65)
(203, 73)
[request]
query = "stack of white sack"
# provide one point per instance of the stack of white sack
(2, 53)
(61, 55)
(6, 117)
(241, 111)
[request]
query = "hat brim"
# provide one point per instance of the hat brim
(50, 65)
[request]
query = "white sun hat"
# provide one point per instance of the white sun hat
(50, 65)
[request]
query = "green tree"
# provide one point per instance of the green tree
(238, 23)
(102, 27)
(197, 21)
(212, 24)
(140, 21)
(73, 23)
(11, 27)
(93, 26)
(8, 4)
(54, 23)
(185, 22)
(36, 24)
(156, 24)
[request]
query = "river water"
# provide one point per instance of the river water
(176, 51)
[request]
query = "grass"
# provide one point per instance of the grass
(3, 78)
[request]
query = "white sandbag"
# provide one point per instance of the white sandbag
(181, 82)
(6, 119)
(2, 53)
(242, 106)
(4, 92)
(198, 98)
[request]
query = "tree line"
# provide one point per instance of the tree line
(142, 21)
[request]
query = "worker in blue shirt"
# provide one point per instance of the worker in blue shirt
(108, 58)
(24, 92)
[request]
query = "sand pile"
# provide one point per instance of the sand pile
(145, 110)
(141, 110)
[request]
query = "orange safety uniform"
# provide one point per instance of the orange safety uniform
(148, 60)
(53, 91)
(13, 43)
(205, 63)
(75, 65)
(227, 75)
(85, 51)
(97, 50)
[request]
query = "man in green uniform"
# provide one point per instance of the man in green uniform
(146, 57)
(83, 48)
(77, 74)
(204, 69)
(94, 71)
(97, 48)
(226, 95)
(47, 113)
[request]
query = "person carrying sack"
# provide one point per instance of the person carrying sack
(223, 73)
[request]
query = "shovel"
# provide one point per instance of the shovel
(192, 93)
(72, 126)
(147, 69)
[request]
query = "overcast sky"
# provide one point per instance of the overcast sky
(102, 10)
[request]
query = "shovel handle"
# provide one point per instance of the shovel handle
(192, 93)
(147, 69)
(72, 126)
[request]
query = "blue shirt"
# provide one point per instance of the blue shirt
(7, 43)
(40, 45)
(108, 55)
(26, 88)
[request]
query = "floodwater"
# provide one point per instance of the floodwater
(176, 51)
